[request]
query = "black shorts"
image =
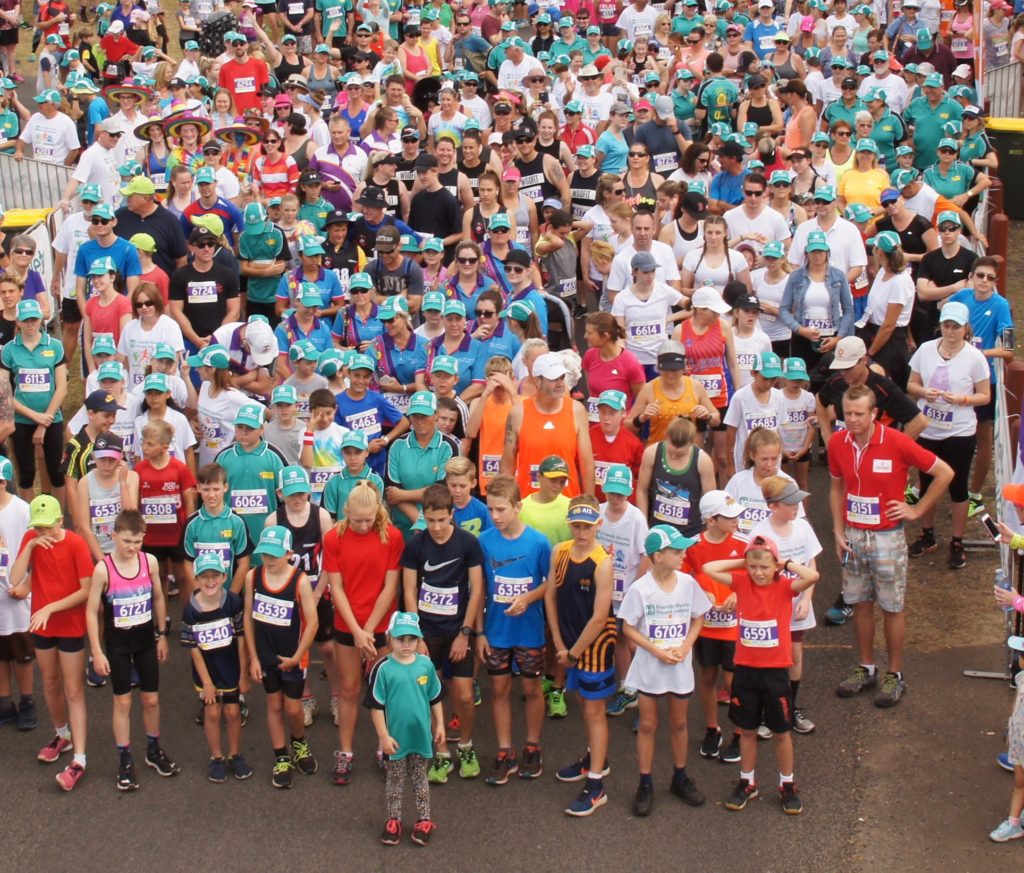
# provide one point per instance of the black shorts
(325, 618)
(17, 648)
(145, 664)
(67, 645)
(958, 452)
(761, 695)
(9, 37)
(806, 456)
(610, 29)
(167, 553)
(224, 698)
(69, 312)
(438, 648)
(529, 661)
(988, 411)
(715, 653)
(344, 638)
(291, 682)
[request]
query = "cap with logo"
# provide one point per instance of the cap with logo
(445, 364)
(209, 560)
(549, 366)
(720, 503)
(303, 350)
(849, 351)
(108, 445)
(583, 513)
(250, 415)
(423, 403)
(795, 370)
(888, 241)
(355, 439)
(102, 401)
(768, 364)
(618, 480)
(44, 511)
(405, 624)
(553, 467)
(294, 480)
(103, 344)
(156, 382)
(662, 536)
(214, 355)
(275, 541)
(816, 242)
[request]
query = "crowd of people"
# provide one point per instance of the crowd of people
(320, 278)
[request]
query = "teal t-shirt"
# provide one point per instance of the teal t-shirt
(316, 213)
(928, 121)
(331, 9)
(252, 477)
(406, 692)
(718, 98)
(338, 488)
(225, 534)
(952, 184)
(683, 25)
(411, 467)
(265, 244)
(33, 373)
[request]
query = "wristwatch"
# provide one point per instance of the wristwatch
(466, 630)
(571, 658)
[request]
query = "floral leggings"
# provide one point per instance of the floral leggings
(413, 767)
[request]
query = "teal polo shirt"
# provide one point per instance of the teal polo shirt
(265, 243)
(888, 130)
(952, 184)
(411, 466)
(33, 373)
(927, 122)
(252, 484)
(225, 534)
(338, 488)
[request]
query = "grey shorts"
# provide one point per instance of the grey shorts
(876, 569)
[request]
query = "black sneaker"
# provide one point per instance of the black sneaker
(283, 768)
(239, 768)
(9, 715)
(217, 771)
(731, 753)
(957, 555)
(504, 766)
(711, 744)
(158, 760)
(303, 757)
(741, 794)
(643, 801)
(924, 544)
(531, 765)
(791, 802)
(686, 790)
(126, 779)
(28, 720)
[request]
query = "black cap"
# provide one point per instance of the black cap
(526, 128)
(374, 197)
(756, 81)
(694, 203)
(410, 132)
(731, 150)
(747, 302)
(107, 442)
(102, 401)
(377, 158)
(309, 176)
(213, 145)
(426, 162)
(177, 82)
(849, 82)
(388, 238)
(672, 361)
(269, 90)
(519, 256)
(201, 233)
(336, 217)
(733, 291)
(508, 136)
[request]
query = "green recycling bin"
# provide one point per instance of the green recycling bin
(1007, 135)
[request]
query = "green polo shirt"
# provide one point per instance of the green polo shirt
(411, 466)
(973, 147)
(264, 244)
(331, 9)
(339, 487)
(252, 480)
(954, 183)
(888, 130)
(683, 25)
(316, 213)
(561, 47)
(224, 534)
(839, 111)
(718, 97)
(683, 105)
(928, 121)
(33, 373)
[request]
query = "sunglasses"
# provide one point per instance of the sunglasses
(949, 228)
(101, 220)
(23, 251)
(468, 260)
(204, 244)
(618, 190)
(988, 277)
(537, 80)
(819, 145)
(515, 268)
(238, 43)
(271, 142)
(502, 110)
(142, 304)
(386, 321)
(115, 134)
(843, 133)
(752, 193)
(358, 290)
(485, 313)
(638, 154)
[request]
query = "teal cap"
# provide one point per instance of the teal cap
(454, 307)
(303, 350)
(103, 344)
(768, 364)
(284, 394)
(209, 560)
(28, 309)
(250, 415)
(294, 480)
(360, 280)
(445, 364)
(773, 249)
(662, 536)
(355, 439)
(948, 216)
(888, 241)
(214, 355)
(423, 403)
(110, 370)
(156, 382)
(433, 301)
(614, 399)
(361, 362)
(618, 480)
(163, 351)
(275, 541)
(102, 266)
(795, 369)
(309, 295)
(330, 362)
(405, 624)
(817, 242)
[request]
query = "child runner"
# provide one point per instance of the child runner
(359, 408)
(280, 623)
(404, 698)
(54, 566)
(622, 533)
(102, 493)
(304, 379)
(758, 404)
(763, 455)
(796, 541)
(760, 687)
(284, 431)
(716, 646)
(321, 443)
(612, 443)
(470, 512)
(354, 451)
(212, 626)
(16, 649)
(126, 585)
(661, 615)
(214, 527)
(516, 562)
(579, 613)
(799, 425)
(442, 581)
(747, 336)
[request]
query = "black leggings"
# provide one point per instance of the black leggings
(25, 453)
(958, 452)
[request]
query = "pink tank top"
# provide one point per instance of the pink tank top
(131, 599)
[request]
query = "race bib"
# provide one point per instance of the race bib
(159, 181)
(132, 610)
(439, 601)
(601, 472)
(212, 635)
(320, 476)
(160, 510)
(296, 8)
(746, 361)
(272, 610)
(719, 618)
(202, 292)
(367, 421)
(102, 514)
(250, 501)
(646, 329)
(523, 235)
(222, 550)
(796, 416)
(592, 409)
(767, 42)
(245, 85)
(753, 420)
(508, 588)
(491, 465)
(939, 416)
(959, 44)
(35, 381)
(712, 383)
(671, 508)
(863, 510)
(567, 287)
(824, 326)
(212, 436)
(400, 401)
(665, 633)
(1002, 50)
(665, 163)
(759, 634)
(752, 516)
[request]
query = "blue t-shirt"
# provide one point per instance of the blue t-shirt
(288, 333)
(514, 567)
(725, 186)
(328, 284)
(762, 37)
(98, 110)
(474, 517)
(368, 415)
(540, 307)
(988, 318)
(124, 255)
(503, 342)
(615, 150)
(472, 357)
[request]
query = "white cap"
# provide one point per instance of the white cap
(116, 27)
(849, 350)
(963, 70)
(549, 366)
(719, 503)
(709, 298)
(262, 342)
(110, 125)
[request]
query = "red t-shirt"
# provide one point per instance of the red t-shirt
(107, 319)
(116, 49)
(363, 560)
(719, 624)
(244, 81)
(159, 278)
(764, 613)
(161, 503)
(876, 475)
(626, 449)
(618, 374)
(56, 574)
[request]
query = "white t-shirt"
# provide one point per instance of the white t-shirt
(958, 375)
(747, 493)
(801, 546)
(646, 319)
(769, 223)
(14, 614)
(718, 277)
(665, 618)
(227, 184)
(595, 109)
(818, 309)
(183, 438)
(766, 292)
(216, 417)
(846, 247)
(799, 411)
(52, 139)
(98, 166)
(73, 232)
(638, 24)
(899, 288)
(847, 21)
(621, 275)
(623, 541)
(923, 202)
(896, 91)
(747, 348)
(138, 345)
(510, 75)
(746, 412)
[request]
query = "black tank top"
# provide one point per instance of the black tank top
(406, 173)
(553, 148)
(450, 181)
(584, 193)
(534, 184)
(761, 115)
(647, 191)
(277, 618)
(673, 497)
(473, 174)
(306, 541)
(478, 225)
(391, 192)
(283, 70)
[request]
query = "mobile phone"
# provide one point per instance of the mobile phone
(545, 96)
(1008, 338)
(990, 526)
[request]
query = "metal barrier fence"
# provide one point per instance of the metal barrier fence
(31, 184)
(1002, 89)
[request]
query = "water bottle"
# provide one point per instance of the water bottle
(1003, 581)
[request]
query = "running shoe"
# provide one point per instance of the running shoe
(687, 791)
(126, 779)
(504, 766)
(309, 709)
(924, 544)
(957, 556)
(838, 613)
(54, 749)
(469, 764)
(239, 767)
(392, 833)
(893, 688)
(791, 802)
(532, 764)
(1003, 760)
(92, 678)
(477, 697)
(556, 704)
(17, 77)
(643, 800)
(342, 774)
(439, 770)
(303, 757)
(172, 586)
(975, 505)
(9, 715)
(579, 770)
(723, 697)
(1006, 832)
(334, 710)
(764, 732)
(801, 723)
(741, 795)
(859, 680)
(621, 701)
(711, 744)
(911, 495)
(157, 758)
(70, 776)
(731, 753)
(453, 730)
(217, 770)
(588, 802)
(283, 768)
(28, 720)
(421, 831)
